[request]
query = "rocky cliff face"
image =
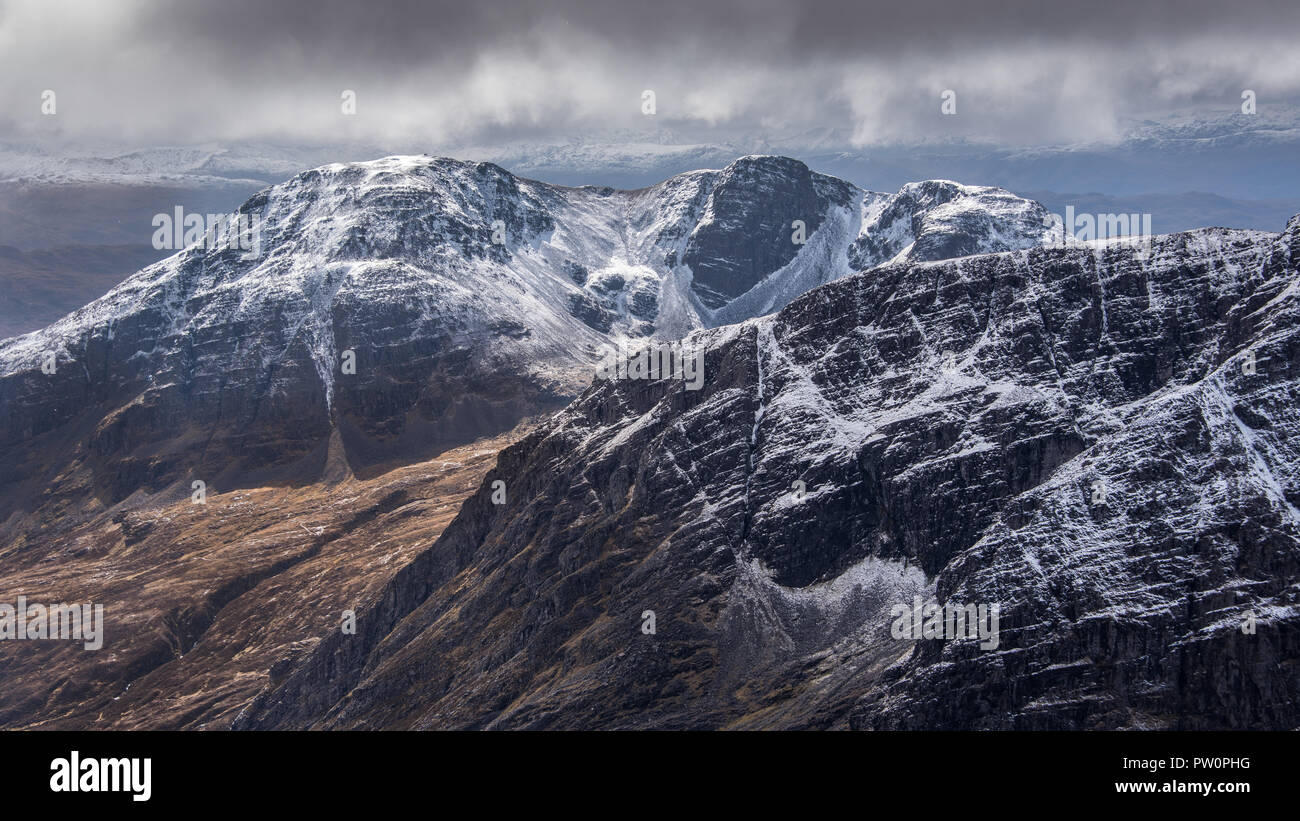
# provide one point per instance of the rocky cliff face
(1100, 444)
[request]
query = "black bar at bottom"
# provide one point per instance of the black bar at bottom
(670, 771)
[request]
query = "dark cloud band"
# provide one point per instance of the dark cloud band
(464, 72)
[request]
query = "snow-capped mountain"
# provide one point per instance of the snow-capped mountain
(1104, 445)
(409, 304)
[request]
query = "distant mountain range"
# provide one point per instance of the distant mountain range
(1231, 170)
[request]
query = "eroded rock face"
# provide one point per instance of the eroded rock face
(1151, 582)
(1069, 434)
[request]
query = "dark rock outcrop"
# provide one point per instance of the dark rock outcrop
(746, 232)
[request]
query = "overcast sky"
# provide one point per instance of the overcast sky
(473, 72)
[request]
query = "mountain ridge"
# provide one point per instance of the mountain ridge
(458, 330)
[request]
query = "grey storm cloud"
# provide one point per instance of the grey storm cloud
(471, 72)
(391, 33)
